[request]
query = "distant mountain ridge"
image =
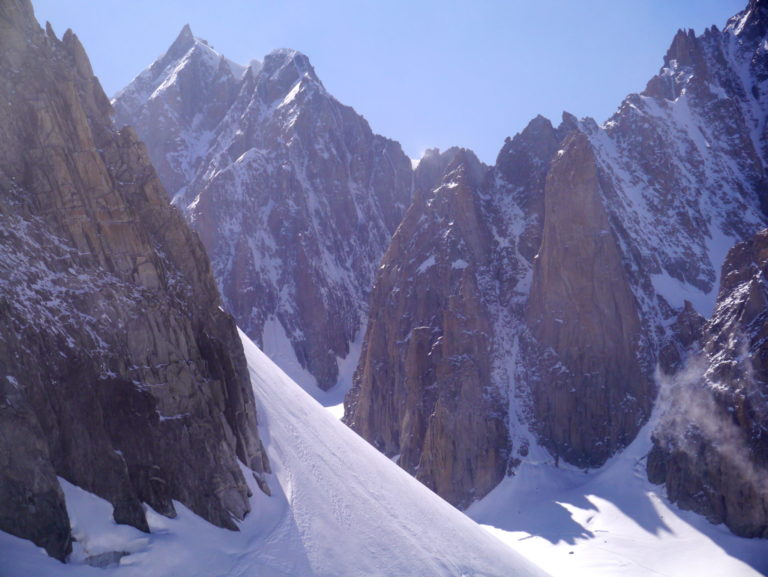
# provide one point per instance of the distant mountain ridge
(292, 194)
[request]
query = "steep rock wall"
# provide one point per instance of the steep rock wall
(421, 389)
(590, 396)
(711, 445)
(120, 369)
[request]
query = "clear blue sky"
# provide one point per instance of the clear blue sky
(424, 72)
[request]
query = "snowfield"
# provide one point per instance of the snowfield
(338, 508)
(612, 522)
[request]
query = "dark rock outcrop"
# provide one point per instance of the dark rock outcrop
(422, 389)
(711, 445)
(118, 370)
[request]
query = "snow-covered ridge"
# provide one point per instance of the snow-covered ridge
(164, 71)
(293, 195)
(679, 211)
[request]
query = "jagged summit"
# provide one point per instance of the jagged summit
(283, 75)
(285, 58)
(538, 123)
(465, 167)
(430, 170)
(282, 56)
(293, 195)
(694, 64)
(683, 49)
(187, 52)
(752, 23)
(185, 34)
(184, 41)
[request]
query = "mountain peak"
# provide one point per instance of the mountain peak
(185, 34)
(187, 50)
(283, 68)
(752, 22)
(184, 41)
(464, 168)
(683, 50)
(283, 58)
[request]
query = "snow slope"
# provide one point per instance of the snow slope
(338, 508)
(611, 522)
(354, 511)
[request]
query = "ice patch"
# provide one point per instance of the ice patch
(278, 347)
(291, 96)
(426, 265)
(675, 292)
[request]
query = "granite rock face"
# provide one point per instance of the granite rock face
(293, 196)
(711, 446)
(438, 366)
(425, 366)
(590, 396)
(675, 177)
(118, 370)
